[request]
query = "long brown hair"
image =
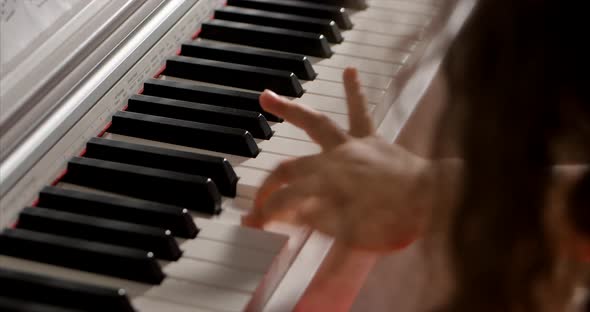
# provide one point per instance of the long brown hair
(517, 77)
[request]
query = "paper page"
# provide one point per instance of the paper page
(25, 24)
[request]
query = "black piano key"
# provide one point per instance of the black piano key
(48, 290)
(336, 13)
(190, 191)
(127, 263)
(216, 168)
(177, 219)
(157, 240)
(234, 75)
(267, 37)
(188, 133)
(252, 121)
(18, 305)
(207, 95)
(326, 27)
(351, 4)
(296, 63)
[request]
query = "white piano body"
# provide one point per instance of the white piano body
(64, 93)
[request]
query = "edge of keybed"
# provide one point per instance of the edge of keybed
(423, 70)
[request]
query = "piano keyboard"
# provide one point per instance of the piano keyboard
(146, 217)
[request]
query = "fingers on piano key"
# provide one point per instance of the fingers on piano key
(321, 129)
(361, 123)
(152, 187)
(288, 172)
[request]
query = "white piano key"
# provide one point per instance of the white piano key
(289, 147)
(212, 274)
(323, 103)
(264, 161)
(202, 296)
(226, 254)
(144, 304)
(388, 29)
(232, 208)
(227, 215)
(336, 89)
(228, 233)
(288, 130)
(17, 264)
(319, 104)
(250, 180)
(241, 236)
(363, 65)
(421, 3)
(337, 60)
(367, 80)
(328, 103)
(404, 6)
(193, 294)
(433, 3)
(252, 248)
(400, 43)
(339, 119)
(224, 226)
(369, 52)
(238, 205)
(391, 17)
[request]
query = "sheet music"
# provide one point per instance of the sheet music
(27, 23)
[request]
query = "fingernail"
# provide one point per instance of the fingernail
(271, 93)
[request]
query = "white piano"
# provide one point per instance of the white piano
(131, 145)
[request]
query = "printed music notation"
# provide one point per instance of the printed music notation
(8, 7)
(22, 22)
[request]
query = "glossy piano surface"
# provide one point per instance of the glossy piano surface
(126, 152)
